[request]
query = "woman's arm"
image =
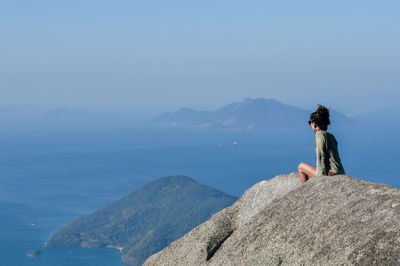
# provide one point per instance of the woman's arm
(321, 149)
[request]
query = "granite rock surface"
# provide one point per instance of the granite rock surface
(329, 220)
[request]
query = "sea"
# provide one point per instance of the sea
(50, 177)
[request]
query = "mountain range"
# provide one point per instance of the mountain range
(250, 114)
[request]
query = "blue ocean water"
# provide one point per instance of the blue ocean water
(51, 177)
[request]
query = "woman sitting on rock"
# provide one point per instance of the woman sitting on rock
(328, 160)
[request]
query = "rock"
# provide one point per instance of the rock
(330, 220)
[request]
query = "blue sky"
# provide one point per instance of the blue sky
(153, 56)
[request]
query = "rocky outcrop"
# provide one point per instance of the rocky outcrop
(329, 220)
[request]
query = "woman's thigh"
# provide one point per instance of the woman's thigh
(308, 169)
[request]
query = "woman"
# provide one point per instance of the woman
(328, 160)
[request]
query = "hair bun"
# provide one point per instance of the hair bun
(321, 117)
(323, 111)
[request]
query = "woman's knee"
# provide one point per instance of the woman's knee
(300, 166)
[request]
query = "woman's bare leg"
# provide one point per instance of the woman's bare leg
(306, 171)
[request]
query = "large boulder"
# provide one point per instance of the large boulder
(329, 220)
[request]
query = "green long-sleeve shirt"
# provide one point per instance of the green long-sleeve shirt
(327, 154)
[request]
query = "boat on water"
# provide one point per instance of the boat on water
(33, 254)
(227, 144)
(33, 224)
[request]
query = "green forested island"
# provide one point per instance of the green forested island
(146, 220)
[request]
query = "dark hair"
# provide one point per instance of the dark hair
(320, 117)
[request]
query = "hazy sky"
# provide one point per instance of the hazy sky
(153, 56)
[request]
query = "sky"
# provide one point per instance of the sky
(147, 57)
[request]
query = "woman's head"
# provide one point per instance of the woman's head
(320, 118)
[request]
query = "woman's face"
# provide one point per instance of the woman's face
(314, 127)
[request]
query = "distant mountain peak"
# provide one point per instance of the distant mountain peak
(259, 99)
(173, 179)
(249, 114)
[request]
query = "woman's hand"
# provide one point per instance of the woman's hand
(331, 173)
